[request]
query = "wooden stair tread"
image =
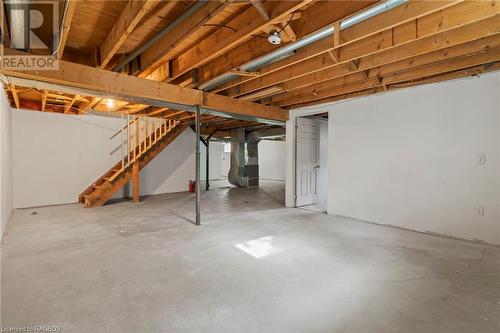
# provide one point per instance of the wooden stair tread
(97, 194)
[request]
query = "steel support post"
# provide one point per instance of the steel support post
(198, 189)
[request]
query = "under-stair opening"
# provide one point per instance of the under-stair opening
(141, 139)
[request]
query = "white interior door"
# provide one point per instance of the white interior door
(307, 162)
(225, 159)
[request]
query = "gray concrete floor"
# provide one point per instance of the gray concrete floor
(253, 266)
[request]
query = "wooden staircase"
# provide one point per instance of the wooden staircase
(146, 138)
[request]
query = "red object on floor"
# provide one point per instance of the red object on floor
(192, 186)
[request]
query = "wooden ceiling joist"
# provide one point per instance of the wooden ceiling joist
(156, 112)
(388, 46)
(473, 71)
(323, 91)
(70, 6)
(44, 99)
(305, 84)
(413, 43)
(244, 73)
(91, 104)
(261, 9)
(266, 92)
(224, 40)
(305, 22)
(160, 51)
(126, 87)
(15, 96)
(440, 17)
(69, 105)
(131, 15)
(174, 114)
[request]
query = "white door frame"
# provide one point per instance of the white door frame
(291, 151)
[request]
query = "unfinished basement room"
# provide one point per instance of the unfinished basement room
(267, 166)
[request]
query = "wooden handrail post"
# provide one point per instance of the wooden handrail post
(135, 182)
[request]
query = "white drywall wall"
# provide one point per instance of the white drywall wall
(58, 156)
(410, 158)
(272, 160)
(218, 159)
(172, 169)
(5, 162)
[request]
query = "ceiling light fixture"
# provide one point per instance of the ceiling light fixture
(274, 37)
(110, 103)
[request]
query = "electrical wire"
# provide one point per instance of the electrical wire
(287, 23)
(256, 36)
(61, 28)
(220, 26)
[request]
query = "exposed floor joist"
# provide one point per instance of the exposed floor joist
(417, 41)
(66, 24)
(392, 44)
(116, 85)
(133, 12)
(224, 40)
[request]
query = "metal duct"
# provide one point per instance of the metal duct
(244, 170)
(252, 162)
(292, 47)
(236, 175)
(190, 11)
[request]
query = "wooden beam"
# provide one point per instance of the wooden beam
(289, 31)
(156, 112)
(429, 15)
(400, 65)
(173, 114)
(476, 46)
(224, 40)
(129, 18)
(170, 44)
(44, 99)
(325, 90)
(215, 133)
(255, 96)
(68, 106)
(135, 183)
(130, 88)
(491, 55)
(15, 96)
(161, 73)
(336, 34)
(389, 19)
(66, 24)
(437, 78)
(333, 54)
(244, 73)
(471, 71)
(261, 9)
(380, 49)
(137, 109)
(315, 17)
(91, 104)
